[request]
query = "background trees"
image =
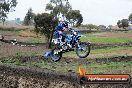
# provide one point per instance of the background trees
(130, 18)
(123, 23)
(90, 26)
(57, 6)
(63, 6)
(75, 17)
(29, 18)
(44, 24)
(6, 6)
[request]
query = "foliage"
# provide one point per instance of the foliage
(90, 26)
(28, 20)
(102, 27)
(44, 24)
(75, 17)
(58, 6)
(49, 6)
(123, 23)
(19, 54)
(109, 27)
(64, 7)
(119, 24)
(130, 18)
(6, 6)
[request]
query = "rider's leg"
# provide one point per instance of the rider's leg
(60, 38)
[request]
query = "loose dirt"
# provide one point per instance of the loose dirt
(22, 77)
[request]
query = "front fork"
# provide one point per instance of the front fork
(78, 44)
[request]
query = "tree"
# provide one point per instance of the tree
(58, 6)
(75, 17)
(102, 27)
(119, 24)
(64, 7)
(6, 6)
(49, 7)
(45, 25)
(123, 23)
(109, 27)
(29, 18)
(130, 18)
(91, 26)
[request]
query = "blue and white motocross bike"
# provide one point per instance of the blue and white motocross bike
(72, 43)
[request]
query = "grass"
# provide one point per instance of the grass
(11, 61)
(2, 32)
(110, 68)
(36, 40)
(11, 29)
(94, 68)
(104, 51)
(15, 31)
(109, 65)
(32, 40)
(106, 40)
(109, 50)
(20, 53)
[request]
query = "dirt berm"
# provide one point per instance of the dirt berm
(24, 77)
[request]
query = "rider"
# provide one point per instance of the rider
(58, 32)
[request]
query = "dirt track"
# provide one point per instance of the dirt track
(25, 77)
(12, 76)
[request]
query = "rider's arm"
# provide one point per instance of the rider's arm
(72, 31)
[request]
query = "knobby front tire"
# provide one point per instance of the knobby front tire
(84, 50)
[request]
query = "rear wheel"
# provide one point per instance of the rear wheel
(84, 50)
(56, 54)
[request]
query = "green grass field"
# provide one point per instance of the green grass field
(101, 53)
(94, 68)
(106, 40)
(109, 50)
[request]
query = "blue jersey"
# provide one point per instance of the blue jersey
(59, 27)
(58, 31)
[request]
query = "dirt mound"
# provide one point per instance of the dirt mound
(21, 77)
(36, 76)
(12, 76)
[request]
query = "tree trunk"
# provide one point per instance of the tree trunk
(3, 22)
(51, 38)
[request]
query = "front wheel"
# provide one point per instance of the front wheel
(56, 54)
(83, 50)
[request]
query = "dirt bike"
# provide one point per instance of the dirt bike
(72, 42)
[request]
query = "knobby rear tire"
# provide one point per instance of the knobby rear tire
(56, 57)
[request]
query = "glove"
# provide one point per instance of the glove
(75, 33)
